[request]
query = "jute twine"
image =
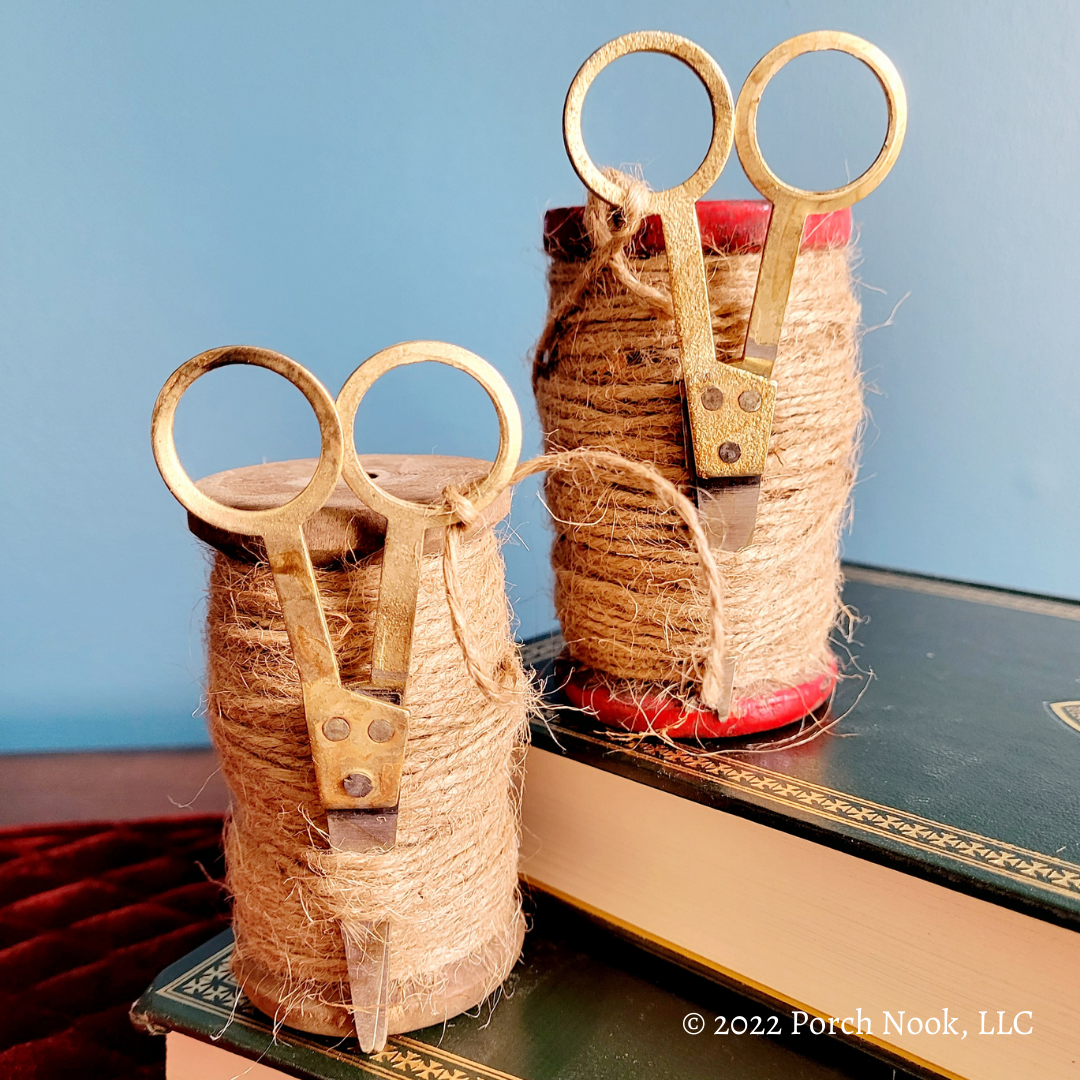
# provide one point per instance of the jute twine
(630, 593)
(449, 886)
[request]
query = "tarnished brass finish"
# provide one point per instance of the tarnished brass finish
(792, 205)
(733, 423)
(674, 199)
(733, 409)
(281, 530)
(380, 730)
(712, 397)
(280, 519)
(682, 237)
(357, 739)
(336, 728)
(406, 521)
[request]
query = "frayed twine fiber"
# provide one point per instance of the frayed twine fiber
(596, 466)
(449, 886)
(629, 589)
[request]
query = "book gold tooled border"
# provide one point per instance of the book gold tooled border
(960, 590)
(212, 988)
(1006, 860)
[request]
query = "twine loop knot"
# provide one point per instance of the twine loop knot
(461, 506)
(611, 230)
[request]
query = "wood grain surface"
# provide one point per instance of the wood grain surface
(345, 527)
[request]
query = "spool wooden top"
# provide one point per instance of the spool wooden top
(345, 528)
(728, 226)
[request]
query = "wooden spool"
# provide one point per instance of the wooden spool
(726, 227)
(345, 530)
(467, 984)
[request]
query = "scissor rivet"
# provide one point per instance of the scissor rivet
(380, 730)
(750, 401)
(336, 729)
(712, 397)
(357, 784)
(730, 452)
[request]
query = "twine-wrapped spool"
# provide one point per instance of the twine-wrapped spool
(628, 590)
(449, 885)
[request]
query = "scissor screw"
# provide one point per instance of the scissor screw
(712, 397)
(730, 452)
(336, 729)
(357, 784)
(750, 401)
(380, 730)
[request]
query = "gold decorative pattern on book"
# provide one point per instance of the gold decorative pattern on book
(1068, 712)
(958, 590)
(212, 988)
(416, 1059)
(728, 773)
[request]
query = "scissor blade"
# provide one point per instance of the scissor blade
(369, 985)
(728, 509)
(362, 830)
(727, 686)
(369, 966)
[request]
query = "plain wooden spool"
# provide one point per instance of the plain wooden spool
(466, 987)
(345, 530)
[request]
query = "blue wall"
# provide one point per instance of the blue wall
(326, 179)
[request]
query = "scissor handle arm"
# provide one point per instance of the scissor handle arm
(720, 101)
(340, 722)
(247, 522)
(406, 522)
(792, 205)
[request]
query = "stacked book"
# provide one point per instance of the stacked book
(898, 895)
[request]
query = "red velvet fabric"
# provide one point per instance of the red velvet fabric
(89, 914)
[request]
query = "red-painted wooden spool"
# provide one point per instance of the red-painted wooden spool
(747, 715)
(727, 226)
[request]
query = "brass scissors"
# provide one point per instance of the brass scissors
(357, 734)
(729, 405)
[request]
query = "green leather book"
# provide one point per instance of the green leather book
(918, 866)
(581, 1005)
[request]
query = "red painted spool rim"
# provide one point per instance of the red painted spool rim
(747, 717)
(728, 226)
